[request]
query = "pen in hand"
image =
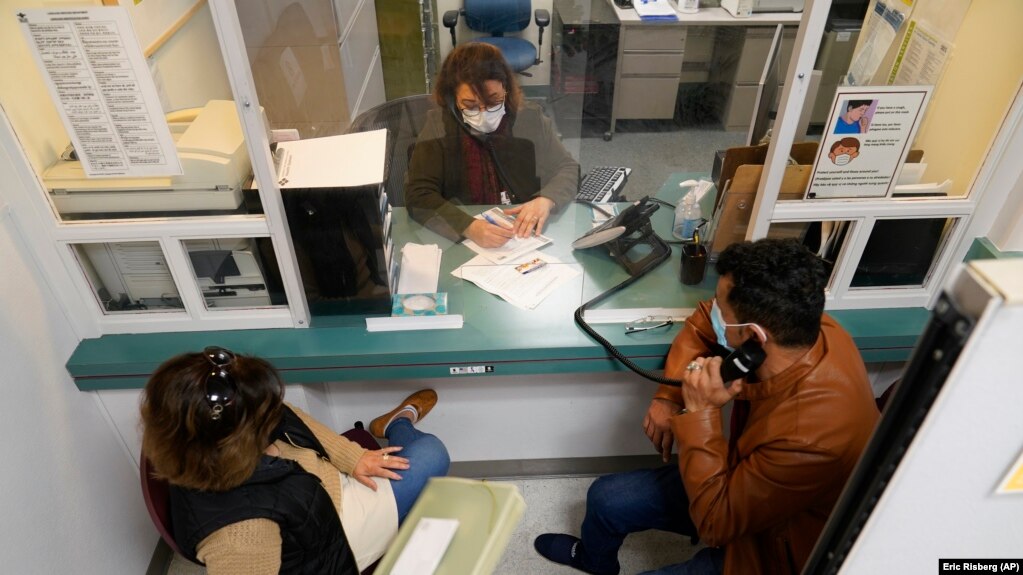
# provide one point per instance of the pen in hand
(501, 222)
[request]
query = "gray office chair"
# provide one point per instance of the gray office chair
(403, 118)
(497, 18)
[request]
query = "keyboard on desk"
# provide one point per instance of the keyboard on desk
(603, 184)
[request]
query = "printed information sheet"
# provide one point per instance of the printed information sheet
(103, 90)
(866, 140)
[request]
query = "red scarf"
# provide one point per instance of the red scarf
(481, 173)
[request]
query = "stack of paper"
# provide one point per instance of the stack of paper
(524, 290)
(347, 160)
(420, 268)
(511, 251)
(654, 10)
(420, 272)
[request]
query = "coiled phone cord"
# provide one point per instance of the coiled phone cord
(608, 345)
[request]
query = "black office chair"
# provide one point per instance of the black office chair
(497, 18)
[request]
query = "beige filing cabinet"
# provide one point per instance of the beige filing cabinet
(740, 56)
(649, 67)
(654, 57)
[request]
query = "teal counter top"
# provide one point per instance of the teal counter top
(496, 339)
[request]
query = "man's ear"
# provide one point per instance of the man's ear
(759, 333)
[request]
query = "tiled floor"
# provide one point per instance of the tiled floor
(555, 505)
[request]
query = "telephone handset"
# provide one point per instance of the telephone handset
(630, 220)
(743, 361)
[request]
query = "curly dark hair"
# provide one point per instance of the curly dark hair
(778, 284)
(187, 446)
(474, 63)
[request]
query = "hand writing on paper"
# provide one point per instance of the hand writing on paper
(488, 235)
(531, 217)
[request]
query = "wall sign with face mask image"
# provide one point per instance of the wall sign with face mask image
(844, 151)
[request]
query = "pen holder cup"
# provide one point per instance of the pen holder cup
(694, 262)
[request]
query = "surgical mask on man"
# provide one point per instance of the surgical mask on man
(718, 321)
(484, 121)
(842, 159)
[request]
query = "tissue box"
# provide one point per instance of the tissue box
(419, 304)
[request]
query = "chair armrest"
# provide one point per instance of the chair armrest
(450, 20)
(542, 17)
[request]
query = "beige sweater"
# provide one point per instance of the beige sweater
(254, 546)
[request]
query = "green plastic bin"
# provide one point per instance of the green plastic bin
(487, 512)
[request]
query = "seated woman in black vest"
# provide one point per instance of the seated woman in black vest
(259, 486)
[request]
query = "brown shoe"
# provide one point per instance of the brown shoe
(422, 401)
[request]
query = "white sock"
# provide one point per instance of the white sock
(409, 408)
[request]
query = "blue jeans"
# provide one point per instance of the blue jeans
(624, 503)
(427, 458)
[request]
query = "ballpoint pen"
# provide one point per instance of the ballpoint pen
(497, 221)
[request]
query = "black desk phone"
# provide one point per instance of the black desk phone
(743, 361)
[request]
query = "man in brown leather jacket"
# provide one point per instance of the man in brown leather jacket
(759, 495)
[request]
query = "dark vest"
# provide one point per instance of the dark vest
(313, 540)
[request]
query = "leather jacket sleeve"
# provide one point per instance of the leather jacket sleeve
(692, 342)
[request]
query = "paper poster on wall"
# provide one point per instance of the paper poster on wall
(868, 135)
(881, 26)
(104, 93)
(921, 58)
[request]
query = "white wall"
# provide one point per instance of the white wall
(70, 496)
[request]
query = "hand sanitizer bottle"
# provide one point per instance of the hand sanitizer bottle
(687, 217)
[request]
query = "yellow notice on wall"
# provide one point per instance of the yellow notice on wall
(1013, 482)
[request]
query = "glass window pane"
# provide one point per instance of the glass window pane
(308, 76)
(825, 238)
(231, 272)
(128, 277)
(900, 252)
(119, 123)
(948, 47)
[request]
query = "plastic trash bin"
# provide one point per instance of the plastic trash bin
(487, 512)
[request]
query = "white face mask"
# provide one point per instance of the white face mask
(484, 122)
(842, 159)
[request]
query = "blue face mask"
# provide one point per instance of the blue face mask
(719, 325)
(718, 321)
